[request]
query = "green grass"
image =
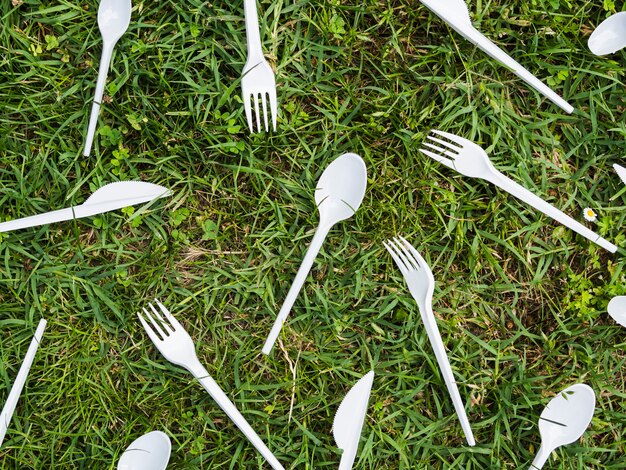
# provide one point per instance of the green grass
(521, 300)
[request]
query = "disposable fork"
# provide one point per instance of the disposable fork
(171, 339)
(257, 82)
(421, 283)
(471, 160)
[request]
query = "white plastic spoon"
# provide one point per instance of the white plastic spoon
(610, 36)
(456, 14)
(617, 309)
(564, 420)
(349, 419)
(148, 452)
(338, 195)
(20, 380)
(113, 21)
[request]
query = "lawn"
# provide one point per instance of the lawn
(521, 300)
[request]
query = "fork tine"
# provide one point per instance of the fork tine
(444, 143)
(449, 153)
(454, 138)
(248, 107)
(256, 111)
(416, 255)
(273, 106)
(165, 325)
(445, 161)
(399, 251)
(408, 257)
(151, 333)
(403, 269)
(264, 101)
(172, 319)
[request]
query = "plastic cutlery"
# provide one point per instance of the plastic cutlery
(338, 195)
(621, 172)
(109, 197)
(349, 419)
(564, 420)
(113, 21)
(456, 14)
(258, 82)
(171, 339)
(617, 309)
(148, 452)
(610, 36)
(20, 380)
(421, 283)
(471, 160)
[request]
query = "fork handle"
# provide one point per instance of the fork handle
(200, 373)
(253, 35)
(434, 336)
(535, 201)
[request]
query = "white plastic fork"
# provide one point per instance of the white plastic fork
(257, 82)
(471, 160)
(171, 339)
(421, 282)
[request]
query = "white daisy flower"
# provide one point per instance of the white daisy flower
(590, 214)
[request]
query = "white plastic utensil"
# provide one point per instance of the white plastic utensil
(564, 420)
(109, 197)
(421, 283)
(171, 339)
(456, 14)
(148, 452)
(338, 195)
(617, 309)
(471, 160)
(20, 380)
(113, 21)
(349, 419)
(621, 171)
(610, 36)
(258, 82)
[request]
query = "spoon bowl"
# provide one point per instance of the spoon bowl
(617, 309)
(564, 420)
(113, 19)
(610, 36)
(341, 188)
(149, 452)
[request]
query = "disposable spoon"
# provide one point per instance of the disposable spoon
(148, 452)
(456, 14)
(113, 21)
(20, 380)
(564, 420)
(338, 195)
(610, 36)
(617, 309)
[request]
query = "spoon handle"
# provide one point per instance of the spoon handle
(541, 458)
(305, 267)
(105, 61)
(489, 48)
(20, 380)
